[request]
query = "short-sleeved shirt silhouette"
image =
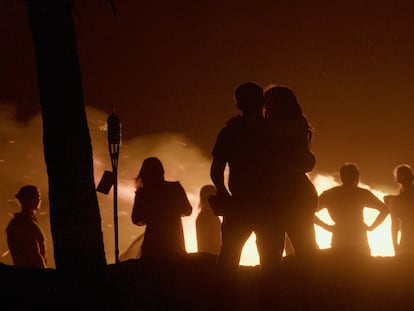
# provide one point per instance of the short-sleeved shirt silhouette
(242, 144)
(345, 205)
(26, 241)
(160, 208)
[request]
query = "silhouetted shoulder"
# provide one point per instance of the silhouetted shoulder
(368, 196)
(331, 192)
(178, 195)
(292, 127)
(227, 135)
(174, 187)
(173, 184)
(234, 122)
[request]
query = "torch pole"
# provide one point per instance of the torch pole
(115, 176)
(114, 142)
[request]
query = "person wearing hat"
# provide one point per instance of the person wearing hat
(241, 145)
(25, 237)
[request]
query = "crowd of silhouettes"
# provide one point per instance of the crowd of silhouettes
(267, 149)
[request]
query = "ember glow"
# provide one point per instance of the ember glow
(183, 161)
(379, 239)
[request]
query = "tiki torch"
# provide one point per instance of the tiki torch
(114, 143)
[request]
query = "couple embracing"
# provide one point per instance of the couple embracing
(267, 150)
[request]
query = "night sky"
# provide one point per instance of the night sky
(172, 66)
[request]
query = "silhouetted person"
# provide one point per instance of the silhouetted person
(25, 237)
(208, 225)
(292, 193)
(402, 211)
(159, 205)
(241, 145)
(345, 204)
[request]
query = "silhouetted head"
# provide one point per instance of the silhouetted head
(281, 103)
(403, 174)
(249, 98)
(29, 197)
(151, 172)
(349, 174)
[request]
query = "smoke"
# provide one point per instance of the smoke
(183, 161)
(22, 162)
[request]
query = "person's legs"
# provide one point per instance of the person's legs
(235, 233)
(270, 243)
(301, 232)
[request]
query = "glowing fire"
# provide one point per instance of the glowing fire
(379, 240)
(174, 150)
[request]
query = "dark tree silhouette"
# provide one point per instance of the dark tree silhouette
(74, 211)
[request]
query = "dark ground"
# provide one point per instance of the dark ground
(196, 284)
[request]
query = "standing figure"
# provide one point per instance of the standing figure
(208, 224)
(159, 205)
(241, 145)
(345, 204)
(401, 207)
(293, 194)
(25, 237)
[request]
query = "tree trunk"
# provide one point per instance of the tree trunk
(74, 211)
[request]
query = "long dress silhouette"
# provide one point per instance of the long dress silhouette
(159, 205)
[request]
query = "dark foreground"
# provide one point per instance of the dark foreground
(196, 284)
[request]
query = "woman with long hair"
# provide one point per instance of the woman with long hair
(159, 205)
(294, 196)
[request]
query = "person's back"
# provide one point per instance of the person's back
(208, 225)
(345, 204)
(25, 238)
(405, 211)
(402, 211)
(241, 145)
(161, 209)
(292, 195)
(160, 205)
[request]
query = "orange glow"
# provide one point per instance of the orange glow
(379, 239)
